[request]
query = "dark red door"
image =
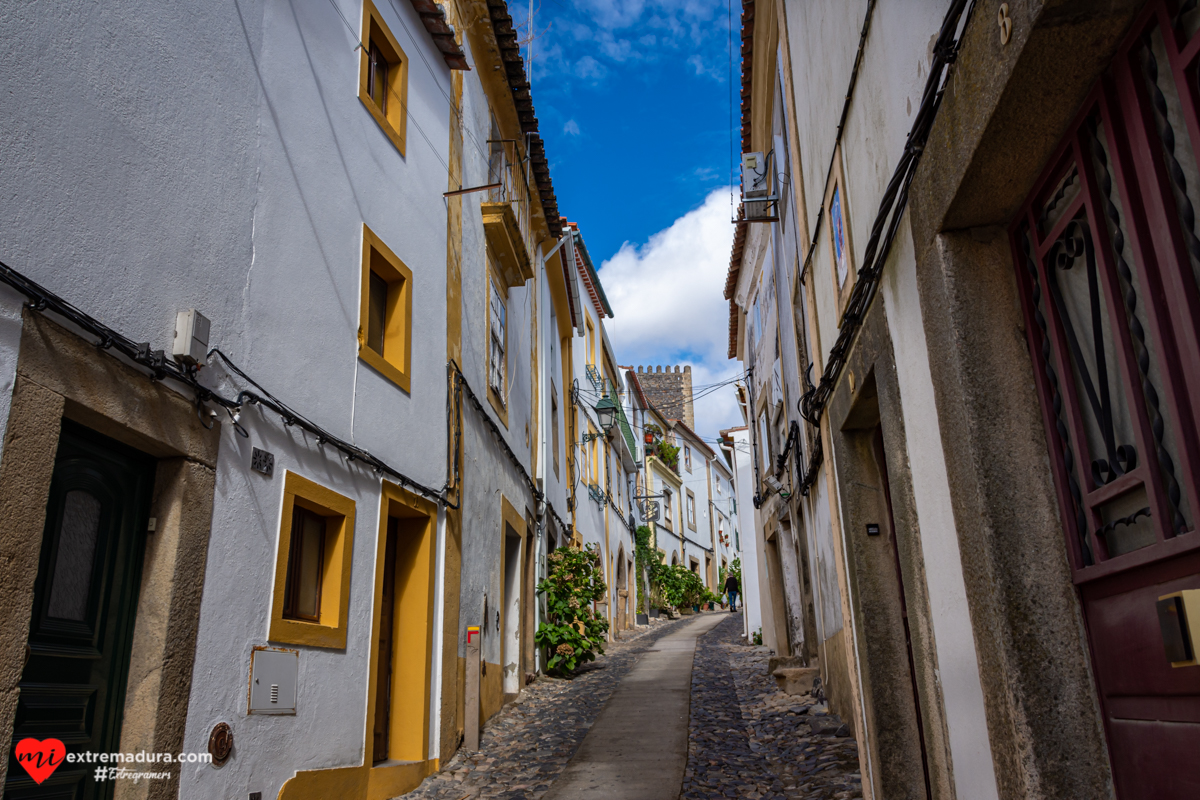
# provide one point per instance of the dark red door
(1108, 257)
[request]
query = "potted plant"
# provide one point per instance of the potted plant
(652, 431)
(668, 454)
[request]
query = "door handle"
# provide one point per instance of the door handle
(1179, 620)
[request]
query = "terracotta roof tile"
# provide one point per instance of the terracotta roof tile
(433, 17)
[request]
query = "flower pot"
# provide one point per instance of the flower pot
(654, 613)
(643, 619)
(696, 609)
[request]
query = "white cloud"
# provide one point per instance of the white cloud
(669, 308)
(588, 67)
(625, 31)
(571, 128)
(714, 72)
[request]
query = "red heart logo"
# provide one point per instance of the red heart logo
(40, 759)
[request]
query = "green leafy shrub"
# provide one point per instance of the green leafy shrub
(668, 454)
(572, 633)
(757, 637)
(680, 586)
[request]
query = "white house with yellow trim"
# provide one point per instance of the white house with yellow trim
(281, 541)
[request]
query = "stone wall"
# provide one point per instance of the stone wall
(669, 389)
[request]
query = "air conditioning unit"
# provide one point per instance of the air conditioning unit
(757, 201)
(755, 178)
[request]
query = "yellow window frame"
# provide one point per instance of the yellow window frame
(393, 121)
(394, 364)
(330, 628)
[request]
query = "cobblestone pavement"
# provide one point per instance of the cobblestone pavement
(526, 745)
(749, 740)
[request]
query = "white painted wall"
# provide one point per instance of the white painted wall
(219, 158)
(823, 38)
(957, 659)
(754, 589)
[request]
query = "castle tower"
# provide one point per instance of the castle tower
(669, 389)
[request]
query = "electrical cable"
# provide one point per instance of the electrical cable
(462, 386)
(290, 418)
(161, 368)
(887, 222)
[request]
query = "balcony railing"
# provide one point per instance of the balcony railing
(506, 168)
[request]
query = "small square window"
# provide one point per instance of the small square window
(311, 598)
(385, 326)
(383, 76)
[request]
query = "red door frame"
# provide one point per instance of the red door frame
(1135, 167)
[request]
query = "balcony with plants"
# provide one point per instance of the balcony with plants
(659, 448)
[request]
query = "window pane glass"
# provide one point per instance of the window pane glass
(377, 78)
(305, 565)
(77, 534)
(311, 558)
(1145, 346)
(1078, 292)
(377, 313)
(1177, 153)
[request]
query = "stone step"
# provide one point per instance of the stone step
(796, 680)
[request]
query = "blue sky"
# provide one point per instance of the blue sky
(633, 100)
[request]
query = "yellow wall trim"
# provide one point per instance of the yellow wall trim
(394, 122)
(397, 339)
(414, 644)
(330, 631)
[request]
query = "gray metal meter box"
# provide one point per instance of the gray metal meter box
(273, 676)
(754, 176)
(191, 337)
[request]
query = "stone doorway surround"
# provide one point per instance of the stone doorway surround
(1004, 112)
(60, 375)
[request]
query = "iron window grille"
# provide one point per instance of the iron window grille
(1107, 252)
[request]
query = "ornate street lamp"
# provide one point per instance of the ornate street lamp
(606, 415)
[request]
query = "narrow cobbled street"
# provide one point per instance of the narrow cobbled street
(746, 738)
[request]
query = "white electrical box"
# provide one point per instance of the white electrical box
(191, 337)
(755, 179)
(273, 677)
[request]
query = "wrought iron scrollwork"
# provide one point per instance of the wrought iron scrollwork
(1067, 183)
(1129, 520)
(1060, 425)
(1137, 332)
(1075, 243)
(1166, 134)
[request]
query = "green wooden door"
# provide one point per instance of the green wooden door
(85, 598)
